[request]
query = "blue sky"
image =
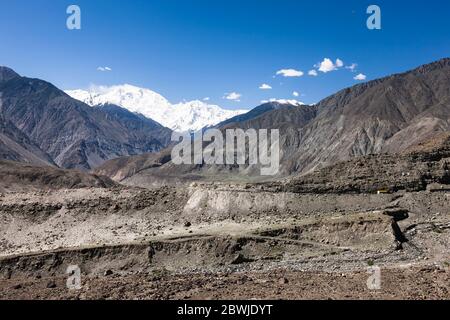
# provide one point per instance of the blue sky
(191, 49)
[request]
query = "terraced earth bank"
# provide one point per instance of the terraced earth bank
(314, 236)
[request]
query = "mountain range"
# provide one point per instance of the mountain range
(40, 124)
(181, 117)
(387, 115)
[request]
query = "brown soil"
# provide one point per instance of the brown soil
(399, 283)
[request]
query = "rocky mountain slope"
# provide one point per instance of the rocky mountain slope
(16, 146)
(184, 116)
(20, 177)
(125, 167)
(382, 116)
(423, 167)
(252, 114)
(72, 133)
(385, 115)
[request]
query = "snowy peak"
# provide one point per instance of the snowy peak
(185, 116)
(133, 98)
(291, 102)
(197, 115)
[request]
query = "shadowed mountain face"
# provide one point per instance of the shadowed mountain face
(7, 74)
(16, 146)
(73, 134)
(252, 114)
(382, 116)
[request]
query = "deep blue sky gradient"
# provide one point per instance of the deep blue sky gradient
(191, 49)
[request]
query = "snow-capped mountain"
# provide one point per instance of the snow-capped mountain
(184, 116)
(292, 102)
(195, 115)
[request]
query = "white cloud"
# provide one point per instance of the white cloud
(265, 86)
(206, 99)
(360, 77)
(104, 69)
(288, 73)
(295, 94)
(327, 65)
(233, 96)
(313, 73)
(352, 67)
